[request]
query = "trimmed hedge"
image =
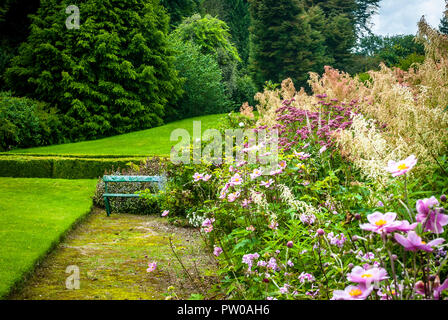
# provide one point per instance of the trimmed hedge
(82, 156)
(60, 167)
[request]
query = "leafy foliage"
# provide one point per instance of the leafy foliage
(204, 92)
(115, 74)
(25, 123)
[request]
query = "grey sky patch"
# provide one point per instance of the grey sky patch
(402, 16)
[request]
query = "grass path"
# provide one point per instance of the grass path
(112, 255)
(34, 215)
(154, 141)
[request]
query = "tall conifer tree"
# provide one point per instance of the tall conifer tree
(112, 75)
(283, 43)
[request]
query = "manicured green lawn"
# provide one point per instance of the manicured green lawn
(34, 214)
(155, 141)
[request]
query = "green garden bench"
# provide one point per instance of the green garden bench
(156, 179)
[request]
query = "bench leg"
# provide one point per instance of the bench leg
(106, 202)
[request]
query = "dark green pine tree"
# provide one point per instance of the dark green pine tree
(112, 75)
(238, 19)
(283, 43)
(179, 9)
(339, 29)
(443, 26)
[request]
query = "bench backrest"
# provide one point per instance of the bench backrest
(158, 179)
(132, 179)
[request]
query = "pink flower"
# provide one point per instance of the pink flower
(165, 213)
(429, 216)
(323, 149)
(255, 174)
(273, 225)
(207, 225)
(236, 180)
(366, 277)
(250, 228)
(266, 184)
(217, 251)
(233, 196)
(414, 242)
(283, 164)
(401, 167)
(420, 288)
(359, 292)
(302, 155)
(275, 172)
(197, 176)
(306, 277)
(380, 223)
(151, 267)
(207, 177)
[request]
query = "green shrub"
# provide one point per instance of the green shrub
(245, 91)
(25, 123)
(410, 60)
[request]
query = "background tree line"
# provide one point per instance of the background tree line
(135, 64)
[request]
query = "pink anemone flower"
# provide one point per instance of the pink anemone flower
(197, 176)
(420, 288)
(359, 292)
(151, 267)
(382, 223)
(217, 251)
(401, 167)
(367, 277)
(414, 242)
(431, 218)
(165, 213)
(236, 180)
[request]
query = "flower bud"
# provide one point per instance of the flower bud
(355, 238)
(320, 232)
(357, 216)
(290, 244)
(437, 263)
(443, 198)
(351, 265)
(394, 257)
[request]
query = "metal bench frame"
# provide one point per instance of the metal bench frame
(157, 179)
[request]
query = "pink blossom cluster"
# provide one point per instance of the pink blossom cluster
(295, 124)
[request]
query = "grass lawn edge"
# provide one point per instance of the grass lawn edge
(20, 282)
